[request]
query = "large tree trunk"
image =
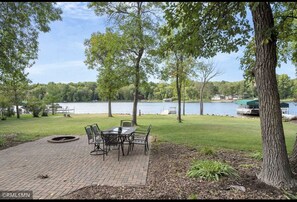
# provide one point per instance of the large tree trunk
(178, 82)
(178, 89)
(53, 108)
(184, 100)
(293, 158)
(109, 108)
(16, 103)
(17, 111)
(137, 80)
(275, 168)
(201, 98)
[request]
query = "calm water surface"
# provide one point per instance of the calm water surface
(216, 108)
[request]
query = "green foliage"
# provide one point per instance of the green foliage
(15, 85)
(248, 61)
(192, 197)
(35, 105)
(210, 170)
(105, 52)
(205, 72)
(88, 91)
(138, 23)
(208, 28)
(247, 165)
(285, 26)
(5, 102)
(207, 151)
(257, 155)
(285, 86)
(2, 141)
(20, 24)
(289, 195)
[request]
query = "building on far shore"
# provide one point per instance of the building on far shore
(167, 100)
(218, 97)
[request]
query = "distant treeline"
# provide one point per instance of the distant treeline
(88, 91)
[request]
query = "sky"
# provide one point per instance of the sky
(61, 53)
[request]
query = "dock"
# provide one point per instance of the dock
(171, 110)
(65, 110)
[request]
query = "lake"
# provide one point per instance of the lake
(216, 108)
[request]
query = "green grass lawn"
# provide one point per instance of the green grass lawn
(197, 131)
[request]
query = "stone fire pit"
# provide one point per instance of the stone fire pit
(62, 139)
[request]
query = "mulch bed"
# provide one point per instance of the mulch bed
(167, 178)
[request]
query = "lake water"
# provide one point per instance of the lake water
(216, 108)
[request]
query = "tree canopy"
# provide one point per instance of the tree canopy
(20, 24)
(138, 22)
(212, 27)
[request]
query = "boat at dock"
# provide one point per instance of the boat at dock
(251, 107)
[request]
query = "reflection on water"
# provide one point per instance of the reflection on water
(211, 108)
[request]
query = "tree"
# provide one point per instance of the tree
(138, 22)
(16, 85)
(205, 72)
(185, 83)
(5, 102)
(284, 85)
(178, 64)
(20, 24)
(109, 82)
(147, 90)
(222, 26)
(14, 77)
(105, 51)
(178, 67)
(274, 172)
(53, 95)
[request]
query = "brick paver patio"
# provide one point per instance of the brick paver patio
(69, 167)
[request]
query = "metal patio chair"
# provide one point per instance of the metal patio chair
(126, 123)
(112, 139)
(96, 140)
(141, 138)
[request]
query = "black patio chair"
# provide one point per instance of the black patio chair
(141, 138)
(113, 139)
(96, 140)
(126, 123)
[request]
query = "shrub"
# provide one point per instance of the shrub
(210, 170)
(207, 151)
(192, 197)
(35, 106)
(289, 195)
(1, 141)
(257, 155)
(247, 165)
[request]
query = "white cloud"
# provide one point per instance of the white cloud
(42, 69)
(65, 72)
(38, 69)
(77, 10)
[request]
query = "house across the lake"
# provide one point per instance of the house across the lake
(167, 100)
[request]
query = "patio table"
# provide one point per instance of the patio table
(126, 132)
